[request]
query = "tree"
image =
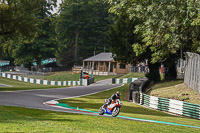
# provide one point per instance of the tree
(40, 44)
(166, 28)
(73, 17)
(18, 17)
(41, 47)
(82, 26)
(122, 38)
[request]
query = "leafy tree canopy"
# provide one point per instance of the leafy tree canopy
(28, 39)
(82, 29)
(167, 28)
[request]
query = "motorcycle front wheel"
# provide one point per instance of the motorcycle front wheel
(115, 111)
(101, 111)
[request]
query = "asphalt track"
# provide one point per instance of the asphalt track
(36, 99)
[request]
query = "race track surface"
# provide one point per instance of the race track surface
(36, 98)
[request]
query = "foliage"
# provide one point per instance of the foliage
(18, 17)
(168, 28)
(81, 28)
(122, 38)
(39, 44)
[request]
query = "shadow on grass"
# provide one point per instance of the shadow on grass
(19, 114)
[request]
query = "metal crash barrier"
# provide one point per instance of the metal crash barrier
(171, 105)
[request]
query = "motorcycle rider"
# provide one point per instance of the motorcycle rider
(112, 98)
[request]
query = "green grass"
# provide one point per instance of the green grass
(175, 90)
(93, 102)
(63, 76)
(166, 84)
(68, 76)
(133, 75)
(18, 85)
(18, 119)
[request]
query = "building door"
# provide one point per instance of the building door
(111, 67)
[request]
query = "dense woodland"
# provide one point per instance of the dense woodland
(157, 30)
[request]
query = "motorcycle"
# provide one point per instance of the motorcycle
(113, 108)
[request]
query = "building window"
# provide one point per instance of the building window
(122, 66)
(115, 65)
(85, 64)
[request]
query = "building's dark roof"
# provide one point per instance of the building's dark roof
(101, 57)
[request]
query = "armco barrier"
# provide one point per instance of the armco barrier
(81, 82)
(124, 80)
(170, 105)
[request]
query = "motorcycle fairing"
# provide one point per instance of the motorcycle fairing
(111, 106)
(108, 111)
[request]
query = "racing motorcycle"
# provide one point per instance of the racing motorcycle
(113, 108)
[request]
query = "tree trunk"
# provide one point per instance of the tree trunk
(76, 47)
(154, 74)
(39, 64)
(170, 71)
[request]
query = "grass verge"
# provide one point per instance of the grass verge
(18, 119)
(68, 76)
(93, 102)
(17, 85)
(175, 90)
(133, 75)
(63, 76)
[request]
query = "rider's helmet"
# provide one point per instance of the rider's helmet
(118, 93)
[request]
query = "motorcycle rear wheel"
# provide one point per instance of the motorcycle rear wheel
(115, 111)
(101, 112)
